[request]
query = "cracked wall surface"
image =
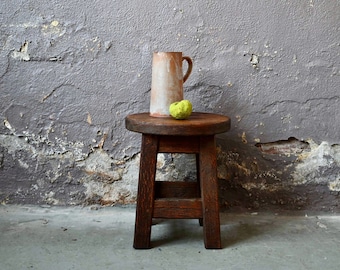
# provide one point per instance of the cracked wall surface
(71, 71)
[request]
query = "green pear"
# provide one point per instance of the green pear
(181, 109)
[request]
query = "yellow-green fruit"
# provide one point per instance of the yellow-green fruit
(181, 109)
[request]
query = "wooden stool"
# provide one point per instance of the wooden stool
(164, 199)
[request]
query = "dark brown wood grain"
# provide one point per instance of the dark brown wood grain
(197, 124)
(178, 208)
(209, 192)
(178, 200)
(146, 189)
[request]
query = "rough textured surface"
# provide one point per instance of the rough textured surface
(81, 238)
(71, 71)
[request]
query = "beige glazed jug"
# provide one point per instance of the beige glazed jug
(167, 81)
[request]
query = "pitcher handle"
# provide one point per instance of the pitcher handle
(189, 61)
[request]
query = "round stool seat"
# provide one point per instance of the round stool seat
(196, 125)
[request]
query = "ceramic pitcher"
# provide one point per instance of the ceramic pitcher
(167, 81)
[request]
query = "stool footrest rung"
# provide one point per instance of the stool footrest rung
(178, 208)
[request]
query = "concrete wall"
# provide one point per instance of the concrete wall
(70, 71)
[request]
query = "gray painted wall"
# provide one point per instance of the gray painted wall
(71, 71)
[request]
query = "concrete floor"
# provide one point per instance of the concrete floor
(34, 237)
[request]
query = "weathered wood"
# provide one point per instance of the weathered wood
(146, 191)
(198, 181)
(209, 192)
(179, 144)
(197, 124)
(178, 208)
(178, 199)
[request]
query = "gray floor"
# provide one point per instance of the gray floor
(101, 238)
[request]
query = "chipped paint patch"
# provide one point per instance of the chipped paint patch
(22, 53)
(334, 185)
(244, 138)
(8, 125)
(13, 144)
(117, 192)
(53, 28)
(100, 164)
(255, 60)
(321, 165)
(292, 146)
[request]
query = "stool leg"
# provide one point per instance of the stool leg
(200, 220)
(209, 192)
(146, 191)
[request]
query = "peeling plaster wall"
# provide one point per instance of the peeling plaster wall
(71, 71)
